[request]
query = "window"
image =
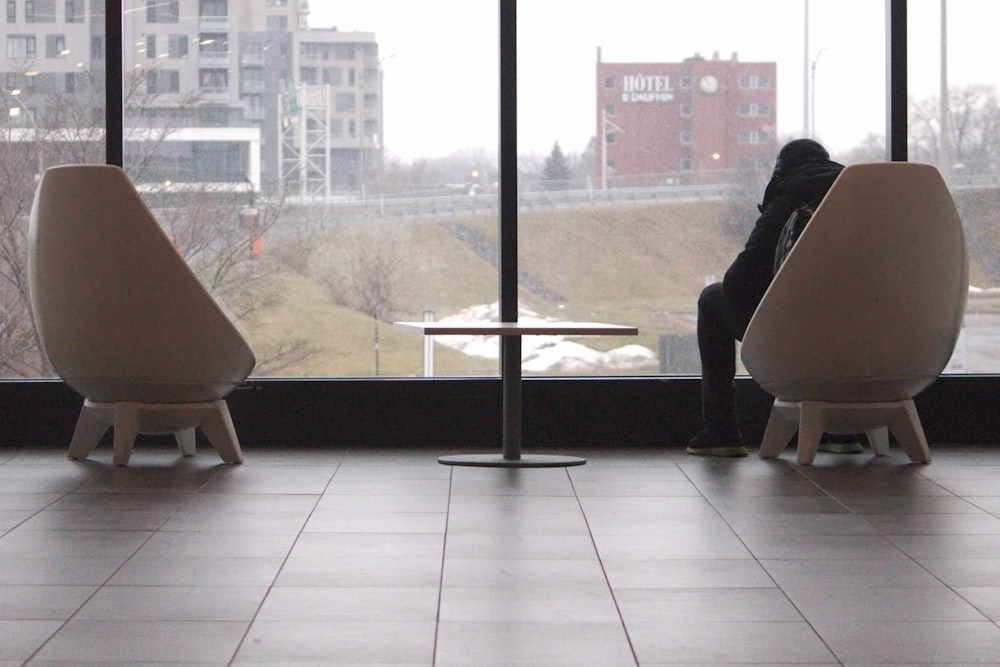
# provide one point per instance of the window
(308, 74)
(753, 137)
(849, 69)
(150, 46)
(213, 78)
(74, 14)
(162, 11)
(213, 43)
(276, 23)
(753, 109)
(333, 76)
(754, 81)
(55, 46)
(21, 47)
(70, 82)
(345, 102)
(213, 8)
(178, 46)
(163, 81)
(609, 109)
(687, 137)
(29, 11)
(344, 51)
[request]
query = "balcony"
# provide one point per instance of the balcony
(250, 86)
(213, 23)
(214, 94)
(214, 58)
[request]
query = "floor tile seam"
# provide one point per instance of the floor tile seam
(284, 561)
(97, 589)
(785, 594)
(444, 558)
(929, 572)
(972, 604)
(604, 572)
(33, 514)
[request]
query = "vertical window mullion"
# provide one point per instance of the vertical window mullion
(114, 65)
(896, 82)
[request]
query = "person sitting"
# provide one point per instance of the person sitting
(803, 173)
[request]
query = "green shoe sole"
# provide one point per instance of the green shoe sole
(729, 450)
(841, 447)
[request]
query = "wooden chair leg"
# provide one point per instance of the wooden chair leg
(218, 428)
(810, 431)
(126, 429)
(88, 432)
(910, 433)
(781, 425)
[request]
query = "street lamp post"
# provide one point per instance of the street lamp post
(945, 157)
(18, 110)
(812, 93)
(605, 125)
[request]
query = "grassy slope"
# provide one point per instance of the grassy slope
(641, 265)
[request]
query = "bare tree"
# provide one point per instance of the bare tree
(367, 270)
(974, 138)
(210, 227)
(871, 149)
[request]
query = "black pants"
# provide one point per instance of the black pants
(720, 325)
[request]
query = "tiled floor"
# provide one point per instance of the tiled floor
(646, 557)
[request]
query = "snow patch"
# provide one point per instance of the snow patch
(544, 353)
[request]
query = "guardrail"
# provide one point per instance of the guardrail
(457, 205)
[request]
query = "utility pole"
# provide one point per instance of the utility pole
(805, 75)
(945, 140)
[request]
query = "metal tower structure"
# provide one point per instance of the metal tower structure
(304, 141)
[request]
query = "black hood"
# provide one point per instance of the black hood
(803, 170)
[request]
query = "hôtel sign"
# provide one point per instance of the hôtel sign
(646, 88)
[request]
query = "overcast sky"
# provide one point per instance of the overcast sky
(440, 61)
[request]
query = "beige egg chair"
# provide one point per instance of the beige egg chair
(124, 321)
(864, 314)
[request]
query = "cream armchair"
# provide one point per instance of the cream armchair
(864, 313)
(124, 321)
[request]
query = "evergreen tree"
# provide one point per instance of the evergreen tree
(556, 173)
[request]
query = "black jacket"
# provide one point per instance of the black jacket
(748, 277)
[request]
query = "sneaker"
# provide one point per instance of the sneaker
(709, 442)
(841, 444)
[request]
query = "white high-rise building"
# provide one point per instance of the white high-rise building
(211, 88)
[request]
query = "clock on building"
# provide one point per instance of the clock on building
(708, 84)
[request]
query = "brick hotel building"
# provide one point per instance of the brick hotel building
(660, 121)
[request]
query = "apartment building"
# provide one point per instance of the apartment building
(211, 89)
